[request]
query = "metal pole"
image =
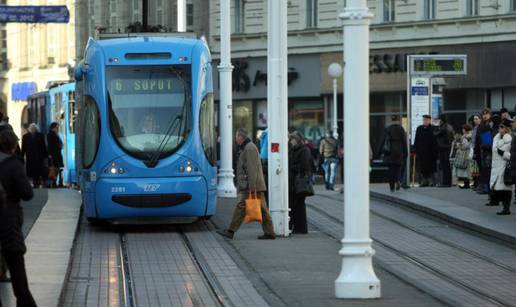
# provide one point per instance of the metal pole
(335, 125)
(226, 187)
(409, 118)
(277, 112)
(357, 279)
(181, 15)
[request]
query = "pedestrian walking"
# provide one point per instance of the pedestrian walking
(461, 165)
(483, 148)
(55, 146)
(249, 178)
(394, 150)
(426, 156)
(34, 151)
(300, 166)
(501, 154)
(329, 151)
(444, 136)
(17, 187)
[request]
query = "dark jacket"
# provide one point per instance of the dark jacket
(249, 172)
(35, 151)
(425, 145)
(483, 129)
(299, 162)
(397, 138)
(17, 187)
(55, 145)
(444, 136)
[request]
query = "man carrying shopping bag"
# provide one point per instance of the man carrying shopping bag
(249, 178)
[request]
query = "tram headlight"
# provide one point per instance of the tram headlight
(188, 169)
(114, 169)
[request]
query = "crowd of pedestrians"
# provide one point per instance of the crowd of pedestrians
(481, 157)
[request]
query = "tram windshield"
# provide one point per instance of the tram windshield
(149, 108)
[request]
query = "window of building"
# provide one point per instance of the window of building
(112, 6)
(429, 9)
(159, 17)
(389, 10)
(239, 16)
(91, 131)
(311, 13)
(113, 23)
(471, 7)
(513, 5)
(189, 15)
(207, 129)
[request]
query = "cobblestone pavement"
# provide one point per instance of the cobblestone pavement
(456, 266)
(170, 265)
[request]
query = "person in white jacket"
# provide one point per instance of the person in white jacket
(501, 192)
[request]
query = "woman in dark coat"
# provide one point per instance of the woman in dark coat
(34, 151)
(55, 145)
(425, 155)
(394, 148)
(300, 164)
(17, 187)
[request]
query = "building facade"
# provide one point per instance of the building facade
(481, 29)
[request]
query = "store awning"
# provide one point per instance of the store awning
(22, 90)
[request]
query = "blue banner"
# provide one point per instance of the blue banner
(34, 14)
(21, 90)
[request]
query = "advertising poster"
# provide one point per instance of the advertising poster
(420, 103)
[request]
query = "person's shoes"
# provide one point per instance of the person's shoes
(392, 190)
(463, 187)
(300, 232)
(504, 212)
(267, 237)
(226, 233)
(398, 186)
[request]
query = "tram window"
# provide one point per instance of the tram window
(207, 128)
(72, 117)
(91, 133)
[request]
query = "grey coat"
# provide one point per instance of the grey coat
(249, 172)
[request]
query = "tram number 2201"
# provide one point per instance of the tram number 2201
(117, 189)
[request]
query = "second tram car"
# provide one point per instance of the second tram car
(147, 136)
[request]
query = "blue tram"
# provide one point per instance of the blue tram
(57, 104)
(147, 142)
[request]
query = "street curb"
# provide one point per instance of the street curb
(445, 217)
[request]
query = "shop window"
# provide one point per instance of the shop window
(207, 129)
(429, 9)
(307, 117)
(311, 13)
(387, 102)
(91, 133)
(389, 10)
(471, 7)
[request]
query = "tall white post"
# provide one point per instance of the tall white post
(181, 15)
(335, 125)
(357, 278)
(277, 114)
(226, 187)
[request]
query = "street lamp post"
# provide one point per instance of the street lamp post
(277, 114)
(226, 187)
(357, 278)
(181, 15)
(335, 71)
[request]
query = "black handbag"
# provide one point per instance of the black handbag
(303, 186)
(507, 174)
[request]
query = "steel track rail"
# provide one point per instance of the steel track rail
(125, 272)
(432, 270)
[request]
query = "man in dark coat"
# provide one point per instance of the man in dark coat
(17, 187)
(424, 143)
(299, 164)
(249, 178)
(483, 147)
(394, 149)
(34, 151)
(444, 136)
(55, 145)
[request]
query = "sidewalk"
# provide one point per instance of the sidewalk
(49, 242)
(301, 270)
(462, 207)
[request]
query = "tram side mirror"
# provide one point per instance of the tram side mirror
(79, 71)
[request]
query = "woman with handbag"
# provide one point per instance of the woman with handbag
(501, 153)
(300, 174)
(462, 159)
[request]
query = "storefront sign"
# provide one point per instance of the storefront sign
(241, 78)
(34, 14)
(420, 103)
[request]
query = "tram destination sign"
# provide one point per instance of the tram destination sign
(438, 65)
(34, 14)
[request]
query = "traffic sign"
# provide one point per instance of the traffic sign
(438, 65)
(34, 14)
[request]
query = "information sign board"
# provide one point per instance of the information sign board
(438, 65)
(34, 14)
(420, 103)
